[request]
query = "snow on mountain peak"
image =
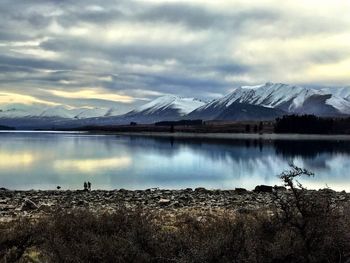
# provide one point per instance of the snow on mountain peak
(329, 101)
(289, 98)
(253, 87)
(24, 111)
(183, 105)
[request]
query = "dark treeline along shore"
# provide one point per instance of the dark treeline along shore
(286, 223)
(298, 124)
(287, 148)
(6, 128)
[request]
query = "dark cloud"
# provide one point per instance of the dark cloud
(201, 18)
(192, 16)
(233, 68)
(32, 63)
(171, 47)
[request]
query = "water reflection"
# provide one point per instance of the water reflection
(43, 161)
(93, 165)
(310, 149)
(10, 159)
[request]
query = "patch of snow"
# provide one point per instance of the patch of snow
(183, 105)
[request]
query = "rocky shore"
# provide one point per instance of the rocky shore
(33, 204)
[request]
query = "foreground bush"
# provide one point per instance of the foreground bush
(304, 226)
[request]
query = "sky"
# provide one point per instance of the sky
(123, 53)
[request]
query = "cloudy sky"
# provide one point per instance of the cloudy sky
(122, 53)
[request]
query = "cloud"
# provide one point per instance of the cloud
(134, 50)
(10, 98)
(92, 94)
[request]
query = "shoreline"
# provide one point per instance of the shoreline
(234, 136)
(198, 135)
(37, 203)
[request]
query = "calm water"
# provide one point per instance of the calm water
(45, 160)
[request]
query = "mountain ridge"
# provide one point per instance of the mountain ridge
(264, 101)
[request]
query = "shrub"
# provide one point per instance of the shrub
(303, 226)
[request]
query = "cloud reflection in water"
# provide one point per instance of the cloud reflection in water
(93, 165)
(10, 160)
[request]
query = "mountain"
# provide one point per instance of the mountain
(39, 116)
(260, 102)
(36, 116)
(42, 111)
(235, 111)
(282, 97)
(167, 107)
(17, 110)
(342, 92)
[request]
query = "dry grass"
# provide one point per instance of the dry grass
(302, 227)
(135, 236)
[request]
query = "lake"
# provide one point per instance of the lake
(37, 160)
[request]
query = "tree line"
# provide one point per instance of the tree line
(311, 124)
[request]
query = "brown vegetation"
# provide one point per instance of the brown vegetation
(303, 227)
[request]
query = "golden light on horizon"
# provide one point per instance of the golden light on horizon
(10, 97)
(339, 70)
(92, 94)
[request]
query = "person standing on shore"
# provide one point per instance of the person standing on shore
(85, 186)
(89, 186)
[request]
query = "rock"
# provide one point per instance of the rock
(327, 191)
(29, 205)
(8, 208)
(176, 204)
(3, 189)
(279, 188)
(240, 191)
(263, 189)
(200, 189)
(342, 198)
(164, 202)
(154, 189)
(4, 201)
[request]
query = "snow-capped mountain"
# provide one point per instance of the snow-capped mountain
(260, 102)
(234, 111)
(342, 92)
(19, 110)
(167, 107)
(283, 97)
(39, 116)
(40, 111)
(277, 95)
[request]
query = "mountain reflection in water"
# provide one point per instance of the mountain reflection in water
(43, 161)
